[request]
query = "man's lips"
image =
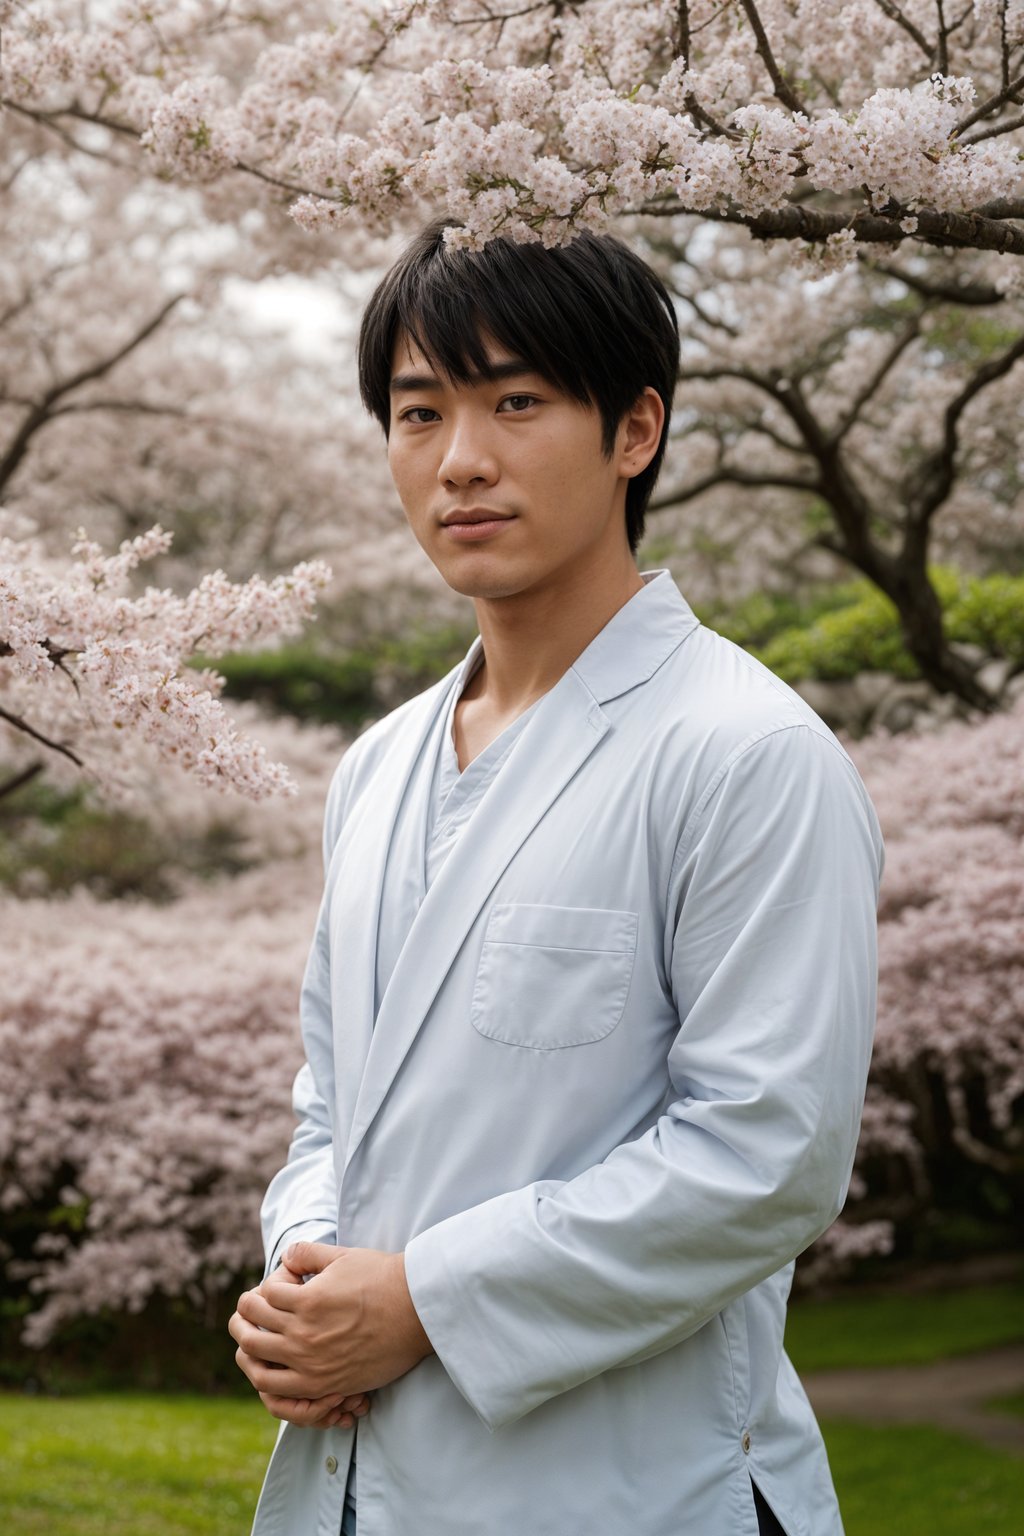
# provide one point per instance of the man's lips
(475, 515)
(473, 524)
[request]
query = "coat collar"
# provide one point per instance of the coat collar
(631, 646)
(637, 639)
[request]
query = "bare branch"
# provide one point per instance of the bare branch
(25, 777)
(956, 292)
(935, 475)
(43, 410)
(868, 390)
(783, 90)
(140, 407)
(55, 746)
(1008, 93)
(51, 120)
(730, 476)
(1008, 125)
(895, 14)
(942, 43)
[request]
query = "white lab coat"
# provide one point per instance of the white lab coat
(612, 1090)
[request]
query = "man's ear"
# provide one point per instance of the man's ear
(640, 432)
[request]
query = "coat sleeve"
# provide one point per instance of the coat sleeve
(769, 935)
(301, 1202)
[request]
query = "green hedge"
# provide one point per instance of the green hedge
(347, 687)
(851, 628)
(832, 632)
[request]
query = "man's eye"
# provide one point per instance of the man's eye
(418, 410)
(519, 402)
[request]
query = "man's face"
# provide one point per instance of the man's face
(515, 447)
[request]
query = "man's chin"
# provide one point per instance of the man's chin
(486, 585)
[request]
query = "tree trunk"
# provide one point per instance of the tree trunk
(923, 633)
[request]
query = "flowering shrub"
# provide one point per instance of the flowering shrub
(146, 1056)
(943, 1129)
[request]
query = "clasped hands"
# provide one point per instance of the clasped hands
(315, 1350)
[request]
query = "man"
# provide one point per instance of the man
(589, 1006)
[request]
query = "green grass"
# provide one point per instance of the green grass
(922, 1482)
(903, 1329)
(166, 1466)
(131, 1465)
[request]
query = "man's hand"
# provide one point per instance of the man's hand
(315, 1413)
(311, 1348)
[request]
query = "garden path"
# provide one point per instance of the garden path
(951, 1394)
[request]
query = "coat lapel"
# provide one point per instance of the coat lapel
(567, 726)
(355, 903)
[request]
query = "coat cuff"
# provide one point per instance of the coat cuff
(313, 1231)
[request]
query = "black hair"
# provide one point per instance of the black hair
(591, 316)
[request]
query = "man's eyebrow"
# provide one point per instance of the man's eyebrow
(513, 368)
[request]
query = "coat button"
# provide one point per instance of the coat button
(745, 1442)
(331, 1464)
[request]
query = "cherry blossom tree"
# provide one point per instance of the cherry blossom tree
(750, 148)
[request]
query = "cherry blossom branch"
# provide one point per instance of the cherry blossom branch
(727, 475)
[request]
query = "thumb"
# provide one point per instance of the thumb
(309, 1258)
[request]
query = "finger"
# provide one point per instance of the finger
(258, 1310)
(280, 1381)
(310, 1258)
(283, 1276)
(307, 1412)
(260, 1344)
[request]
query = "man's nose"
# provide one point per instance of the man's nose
(468, 455)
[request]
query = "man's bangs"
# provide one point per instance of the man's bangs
(452, 310)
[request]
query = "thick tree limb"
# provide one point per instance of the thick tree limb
(969, 231)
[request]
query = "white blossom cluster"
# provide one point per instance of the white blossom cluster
(538, 121)
(86, 667)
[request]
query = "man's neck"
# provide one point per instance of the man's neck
(532, 638)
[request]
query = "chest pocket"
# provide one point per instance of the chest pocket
(551, 977)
